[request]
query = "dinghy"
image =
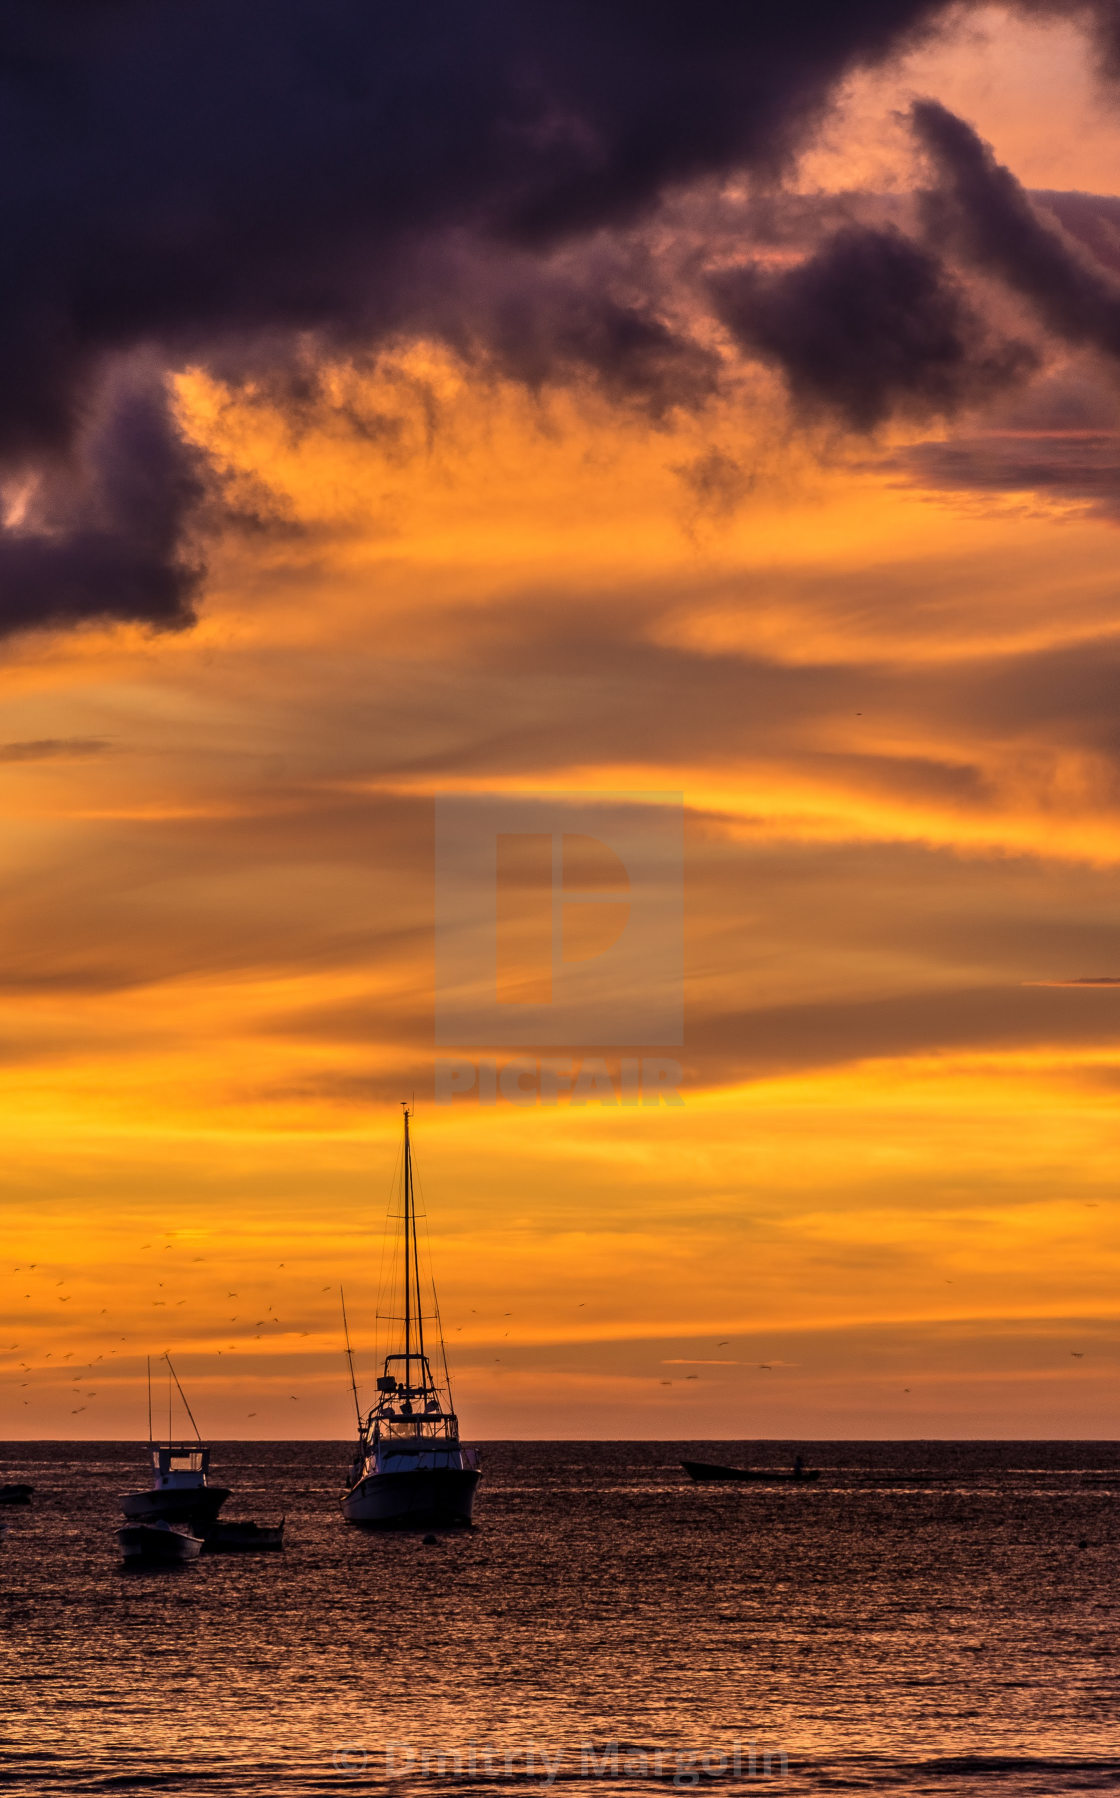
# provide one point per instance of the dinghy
(157, 1544)
(231, 1537)
(704, 1472)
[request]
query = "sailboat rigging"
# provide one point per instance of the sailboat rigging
(410, 1468)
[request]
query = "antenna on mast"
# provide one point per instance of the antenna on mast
(350, 1358)
(183, 1396)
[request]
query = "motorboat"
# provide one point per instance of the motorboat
(158, 1544)
(180, 1491)
(410, 1470)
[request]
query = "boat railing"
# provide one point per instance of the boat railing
(418, 1429)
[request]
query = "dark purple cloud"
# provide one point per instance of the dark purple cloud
(104, 530)
(870, 325)
(1082, 466)
(220, 183)
(978, 205)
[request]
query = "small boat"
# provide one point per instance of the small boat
(410, 1470)
(16, 1494)
(180, 1491)
(705, 1471)
(157, 1544)
(231, 1537)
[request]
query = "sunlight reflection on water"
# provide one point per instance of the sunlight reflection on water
(605, 1617)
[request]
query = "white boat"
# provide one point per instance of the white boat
(158, 1544)
(410, 1470)
(180, 1491)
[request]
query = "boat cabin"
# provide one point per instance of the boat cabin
(179, 1464)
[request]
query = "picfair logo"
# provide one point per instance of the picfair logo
(559, 919)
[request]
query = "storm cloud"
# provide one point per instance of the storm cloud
(870, 325)
(219, 187)
(979, 205)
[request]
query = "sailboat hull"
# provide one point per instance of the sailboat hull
(424, 1498)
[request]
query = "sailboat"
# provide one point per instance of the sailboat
(410, 1469)
(180, 1491)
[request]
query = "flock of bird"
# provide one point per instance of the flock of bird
(258, 1326)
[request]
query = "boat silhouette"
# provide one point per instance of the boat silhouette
(180, 1491)
(158, 1544)
(707, 1472)
(410, 1470)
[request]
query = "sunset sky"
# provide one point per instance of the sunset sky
(780, 469)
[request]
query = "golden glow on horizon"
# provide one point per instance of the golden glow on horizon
(895, 1165)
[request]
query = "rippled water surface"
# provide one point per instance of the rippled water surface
(957, 1634)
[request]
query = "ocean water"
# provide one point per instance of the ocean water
(606, 1623)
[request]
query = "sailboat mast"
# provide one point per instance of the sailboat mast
(416, 1279)
(407, 1251)
(150, 1437)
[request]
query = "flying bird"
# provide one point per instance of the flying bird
(1078, 1354)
